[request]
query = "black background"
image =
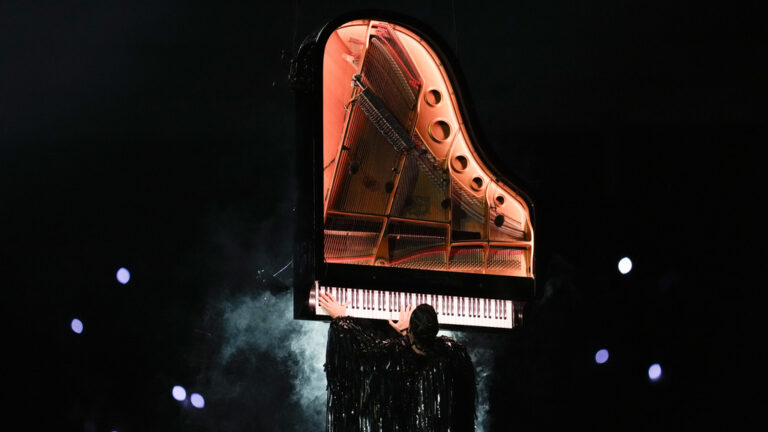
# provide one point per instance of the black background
(160, 137)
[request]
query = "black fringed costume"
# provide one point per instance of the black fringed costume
(380, 384)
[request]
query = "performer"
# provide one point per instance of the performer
(411, 381)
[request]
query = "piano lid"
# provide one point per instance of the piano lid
(394, 191)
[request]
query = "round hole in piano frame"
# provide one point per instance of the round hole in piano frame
(432, 97)
(476, 183)
(439, 131)
(499, 200)
(460, 163)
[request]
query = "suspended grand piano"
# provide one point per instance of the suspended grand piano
(397, 203)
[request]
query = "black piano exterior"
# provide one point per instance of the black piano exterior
(309, 265)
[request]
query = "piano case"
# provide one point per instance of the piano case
(396, 198)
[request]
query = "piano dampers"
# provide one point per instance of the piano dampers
(350, 239)
(508, 261)
(470, 259)
(416, 245)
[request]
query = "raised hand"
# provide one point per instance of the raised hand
(329, 303)
(404, 321)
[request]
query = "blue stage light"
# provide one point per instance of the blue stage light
(179, 393)
(123, 275)
(654, 372)
(601, 356)
(197, 400)
(77, 326)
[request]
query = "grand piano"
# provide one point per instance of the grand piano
(397, 202)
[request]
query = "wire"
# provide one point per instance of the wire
(281, 270)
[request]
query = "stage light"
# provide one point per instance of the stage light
(123, 275)
(654, 372)
(625, 265)
(601, 356)
(179, 393)
(197, 400)
(77, 326)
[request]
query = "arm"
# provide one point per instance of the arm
(328, 302)
(349, 343)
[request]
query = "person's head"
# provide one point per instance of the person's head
(423, 326)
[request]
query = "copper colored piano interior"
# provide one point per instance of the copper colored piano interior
(389, 197)
(440, 131)
(477, 183)
(460, 163)
(432, 97)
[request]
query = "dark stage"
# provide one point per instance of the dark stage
(160, 138)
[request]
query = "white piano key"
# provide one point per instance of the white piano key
(456, 310)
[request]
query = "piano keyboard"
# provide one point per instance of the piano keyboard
(384, 305)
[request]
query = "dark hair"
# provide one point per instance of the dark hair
(424, 326)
